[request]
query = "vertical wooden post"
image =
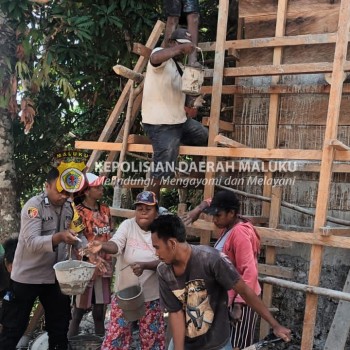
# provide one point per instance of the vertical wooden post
(217, 88)
(274, 100)
(335, 96)
(275, 211)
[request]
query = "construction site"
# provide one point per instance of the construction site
(279, 122)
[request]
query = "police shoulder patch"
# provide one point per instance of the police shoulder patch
(32, 212)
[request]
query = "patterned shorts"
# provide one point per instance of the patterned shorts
(152, 329)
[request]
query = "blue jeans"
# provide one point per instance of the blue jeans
(228, 346)
(166, 140)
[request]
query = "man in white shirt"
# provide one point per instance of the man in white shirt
(163, 107)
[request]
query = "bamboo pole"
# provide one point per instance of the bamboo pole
(329, 293)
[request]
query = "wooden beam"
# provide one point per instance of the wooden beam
(275, 271)
(272, 132)
(225, 141)
(305, 237)
(338, 145)
(268, 235)
(217, 88)
(112, 156)
(282, 69)
(139, 139)
(282, 41)
(261, 153)
(223, 126)
(270, 252)
(275, 89)
(119, 107)
(340, 231)
(275, 242)
(335, 96)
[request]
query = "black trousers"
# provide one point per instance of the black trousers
(16, 311)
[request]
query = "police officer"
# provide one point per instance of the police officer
(44, 234)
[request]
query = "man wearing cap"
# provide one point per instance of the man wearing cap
(44, 233)
(241, 243)
(136, 265)
(163, 114)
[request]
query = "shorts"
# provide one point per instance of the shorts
(166, 140)
(175, 8)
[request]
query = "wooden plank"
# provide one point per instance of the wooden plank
(140, 139)
(327, 231)
(255, 43)
(119, 107)
(225, 141)
(268, 234)
(335, 96)
(112, 156)
(223, 126)
(282, 40)
(270, 252)
(338, 145)
(282, 69)
(340, 327)
(261, 153)
(250, 8)
(271, 139)
(305, 237)
(302, 166)
(217, 88)
(275, 89)
(275, 242)
(276, 271)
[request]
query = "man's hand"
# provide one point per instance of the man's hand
(236, 313)
(187, 48)
(67, 237)
(191, 216)
(282, 332)
(94, 247)
(137, 269)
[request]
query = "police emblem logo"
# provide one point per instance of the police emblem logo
(71, 178)
(32, 212)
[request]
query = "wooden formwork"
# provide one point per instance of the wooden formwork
(284, 37)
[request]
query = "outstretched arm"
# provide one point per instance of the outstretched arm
(109, 247)
(160, 56)
(255, 303)
(193, 215)
(139, 267)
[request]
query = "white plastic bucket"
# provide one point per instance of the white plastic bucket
(41, 342)
(192, 80)
(73, 276)
(132, 301)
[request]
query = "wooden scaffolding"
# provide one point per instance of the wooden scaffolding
(334, 155)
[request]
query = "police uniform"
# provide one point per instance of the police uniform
(33, 274)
